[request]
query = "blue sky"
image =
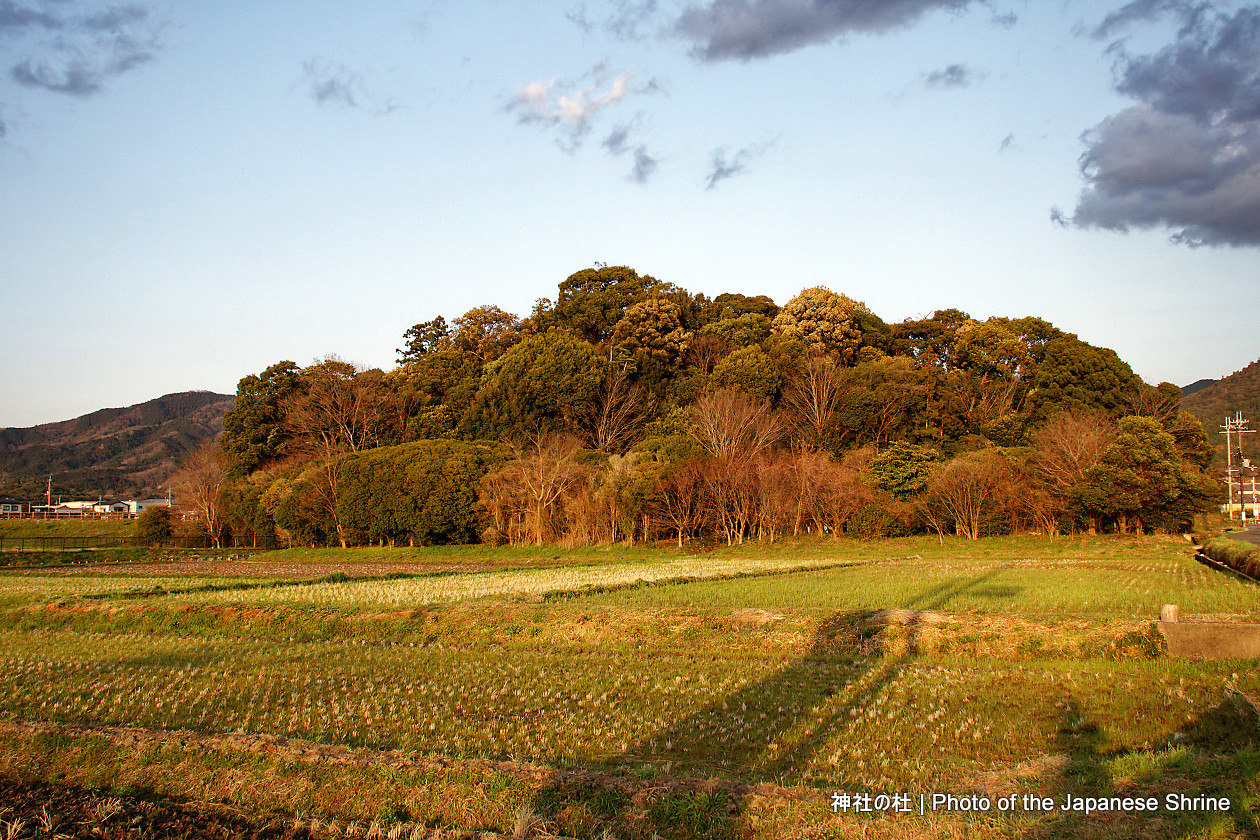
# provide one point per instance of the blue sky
(191, 192)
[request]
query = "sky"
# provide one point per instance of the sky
(191, 192)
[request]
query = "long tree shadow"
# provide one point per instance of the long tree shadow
(772, 729)
(1214, 756)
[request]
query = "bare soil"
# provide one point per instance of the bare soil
(37, 810)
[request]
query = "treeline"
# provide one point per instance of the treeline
(630, 409)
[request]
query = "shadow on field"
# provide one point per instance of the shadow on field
(1215, 756)
(768, 731)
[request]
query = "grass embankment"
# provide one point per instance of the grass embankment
(1240, 556)
(597, 695)
(85, 527)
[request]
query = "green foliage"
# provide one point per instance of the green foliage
(883, 401)
(154, 526)
(254, 432)
(901, 470)
(826, 322)
(1006, 430)
(548, 381)
(1191, 439)
(989, 350)
(419, 493)
(1142, 480)
(652, 330)
(748, 370)
(1079, 377)
(741, 331)
(929, 341)
(733, 305)
(433, 392)
(591, 302)
(485, 332)
(424, 338)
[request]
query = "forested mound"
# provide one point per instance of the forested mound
(629, 408)
(114, 452)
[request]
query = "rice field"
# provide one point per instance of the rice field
(1132, 586)
(664, 665)
(812, 721)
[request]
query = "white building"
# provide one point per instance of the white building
(135, 508)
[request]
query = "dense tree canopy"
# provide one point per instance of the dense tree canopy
(254, 431)
(630, 408)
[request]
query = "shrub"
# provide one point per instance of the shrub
(153, 526)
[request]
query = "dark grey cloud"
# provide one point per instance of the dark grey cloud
(75, 78)
(1142, 11)
(750, 29)
(1147, 169)
(1213, 69)
(1186, 156)
(953, 76)
(723, 167)
(15, 18)
(75, 48)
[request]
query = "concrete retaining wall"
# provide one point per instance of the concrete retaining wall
(1212, 639)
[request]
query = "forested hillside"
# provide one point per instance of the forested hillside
(114, 452)
(1239, 391)
(629, 408)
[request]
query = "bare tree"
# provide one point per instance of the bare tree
(678, 500)
(730, 495)
(198, 488)
(336, 409)
(617, 414)
(1066, 446)
(727, 425)
(962, 493)
(775, 487)
(814, 396)
(705, 351)
(840, 494)
(524, 497)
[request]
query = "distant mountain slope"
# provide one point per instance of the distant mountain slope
(113, 452)
(1237, 392)
(1196, 387)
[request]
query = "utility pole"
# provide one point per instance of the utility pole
(1235, 425)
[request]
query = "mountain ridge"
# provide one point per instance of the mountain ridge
(110, 452)
(1240, 391)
